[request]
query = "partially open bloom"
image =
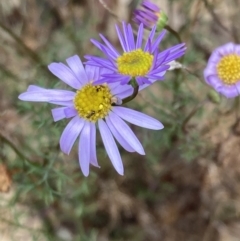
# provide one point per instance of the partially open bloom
(150, 14)
(223, 70)
(143, 64)
(88, 106)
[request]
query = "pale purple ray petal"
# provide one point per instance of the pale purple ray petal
(125, 34)
(226, 49)
(70, 112)
(93, 154)
(159, 69)
(63, 103)
(210, 70)
(152, 33)
(111, 147)
(147, 46)
(114, 51)
(121, 39)
(65, 74)
(174, 56)
(70, 134)
(100, 62)
(92, 72)
(131, 38)
(215, 57)
(158, 40)
(125, 131)
(124, 94)
(150, 5)
(76, 66)
(38, 88)
(108, 53)
(118, 136)
(139, 36)
(138, 118)
(35, 88)
(230, 91)
(214, 81)
(58, 113)
(96, 43)
(84, 149)
(115, 77)
(150, 38)
(47, 95)
(141, 20)
(121, 89)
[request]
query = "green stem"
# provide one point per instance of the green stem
(134, 94)
(172, 31)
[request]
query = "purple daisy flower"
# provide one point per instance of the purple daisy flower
(143, 64)
(223, 70)
(149, 15)
(89, 106)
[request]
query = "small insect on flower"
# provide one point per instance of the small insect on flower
(223, 70)
(91, 105)
(143, 64)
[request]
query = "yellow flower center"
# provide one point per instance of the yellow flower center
(228, 69)
(93, 102)
(135, 63)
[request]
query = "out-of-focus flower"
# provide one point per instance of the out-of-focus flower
(150, 14)
(143, 64)
(223, 70)
(89, 106)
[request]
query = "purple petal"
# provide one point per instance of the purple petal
(84, 149)
(131, 38)
(210, 70)
(114, 51)
(65, 74)
(138, 118)
(226, 49)
(110, 146)
(38, 88)
(121, 39)
(215, 57)
(92, 72)
(150, 5)
(47, 95)
(125, 131)
(125, 34)
(70, 134)
(230, 91)
(35, 88)
(139, 37)
(58, 113)
(118, 136)
(76, 66)
(63, 103)
(93, 155)
(70, 112)
(158, 40)
(214, 81)
(122, 89)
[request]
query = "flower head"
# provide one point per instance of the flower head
(150, 14)
(143, 64)
(223, 70)
(90, 105)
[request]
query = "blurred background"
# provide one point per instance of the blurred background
(186, 188)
